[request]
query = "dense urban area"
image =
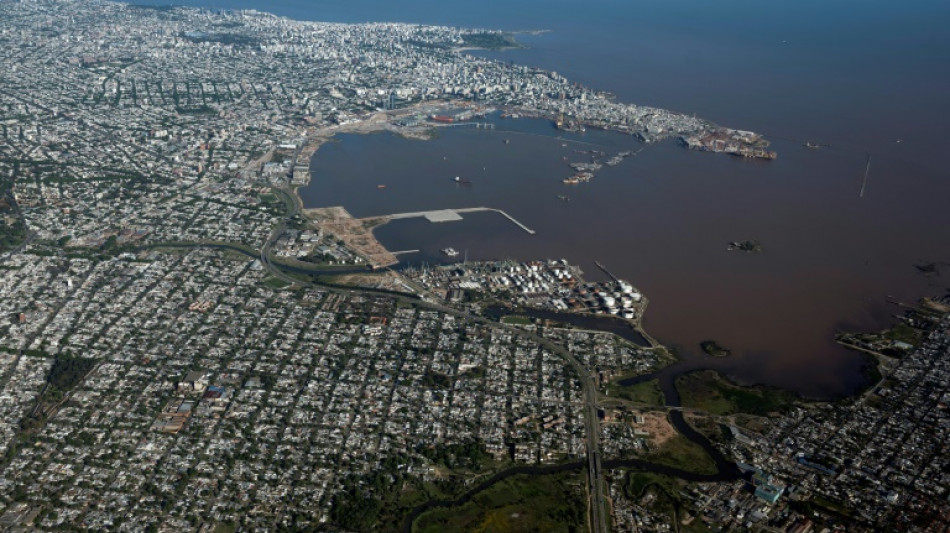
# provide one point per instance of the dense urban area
(184, 348)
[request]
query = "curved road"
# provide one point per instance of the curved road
(594, 462)
(591, 424)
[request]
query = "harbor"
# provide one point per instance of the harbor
(452, 215)
(630, 214)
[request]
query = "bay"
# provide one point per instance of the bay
(866, 78)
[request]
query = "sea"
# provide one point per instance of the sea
(868, 81)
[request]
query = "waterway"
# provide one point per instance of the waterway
(858, 78)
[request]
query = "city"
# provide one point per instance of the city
(170, 359)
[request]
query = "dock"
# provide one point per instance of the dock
(602, 267)
(864, 183)
(451, 215)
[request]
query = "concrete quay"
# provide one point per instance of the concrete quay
(451, 215)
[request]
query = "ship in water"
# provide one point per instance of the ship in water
(451, 252)
(381, 186)
(579, 177)
(459, 180)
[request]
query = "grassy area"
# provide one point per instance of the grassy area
(902, 332)
(680, 452)
(647, 392)
(554, 503)
(516, 320)
(639, 482)
(225, 527)
(824, 506)
(491, 41)
(665, 492)
(710, 392)
(268, 198)
(276, 283)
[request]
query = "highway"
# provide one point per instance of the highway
(30, 235)
(594, 462)
(598, 519)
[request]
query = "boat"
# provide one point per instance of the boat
(380, 186)
(564, 197)
(809, 144)
(461, 181)
(571, 181)
(451, 252)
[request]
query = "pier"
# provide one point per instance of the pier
(602, 267)
(451, 215)
(478, 125)
(864, 183)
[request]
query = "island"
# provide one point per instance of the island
(749, 246)
(713, 348)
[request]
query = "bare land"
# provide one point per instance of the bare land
(356, 233)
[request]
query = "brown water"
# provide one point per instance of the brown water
(662, 219)
(858, 76)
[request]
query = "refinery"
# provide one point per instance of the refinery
(553, 285)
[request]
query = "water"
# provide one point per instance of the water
(857, 77)
(662, 220)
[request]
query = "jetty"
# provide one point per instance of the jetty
(451, 215)
(602, 267)
(864, 184)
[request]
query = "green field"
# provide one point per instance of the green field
(647, 392)
(491, 41)
(708, 391)
(550, 503)
(516, 320)
(901, 332)
(276, 283)
(268, 198)
(638, 482)
(680, 452)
